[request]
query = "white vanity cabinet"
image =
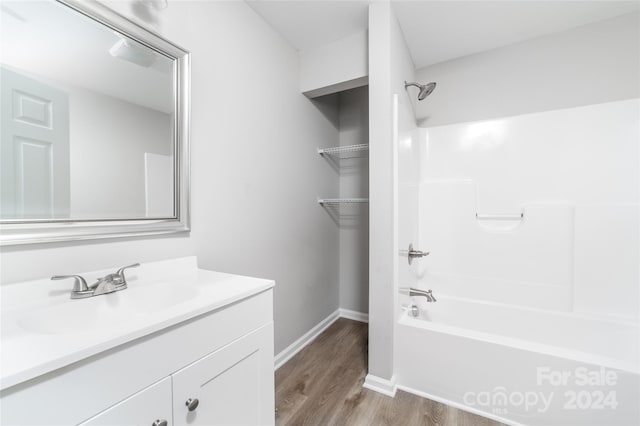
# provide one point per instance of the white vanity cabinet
(227, 387)
(215, 349)
(144, 408)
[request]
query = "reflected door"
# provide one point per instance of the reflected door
(34, 149)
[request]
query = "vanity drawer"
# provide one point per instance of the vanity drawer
(232, 386)
(77, 392)
(143, 408)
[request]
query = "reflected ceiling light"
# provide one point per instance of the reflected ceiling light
(131, 51)
(156, 4)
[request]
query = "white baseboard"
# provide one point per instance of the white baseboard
(354, 315)
(287, 353)
(380, 385)
(459, 406)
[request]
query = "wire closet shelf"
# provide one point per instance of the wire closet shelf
(339, 201)
(347, 149)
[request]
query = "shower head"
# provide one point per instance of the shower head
(425, 89)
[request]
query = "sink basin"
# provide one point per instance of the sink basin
(42, 329)
(66, 319)
(109, 310)
(157, 297)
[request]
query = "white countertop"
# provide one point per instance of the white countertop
(42, 329)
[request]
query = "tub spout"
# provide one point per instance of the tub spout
(426, 293)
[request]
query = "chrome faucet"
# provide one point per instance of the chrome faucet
(103, 286)
(80, 288)
(426, 293)
(118, 278)
(107, 284)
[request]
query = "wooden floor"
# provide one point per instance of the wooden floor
(322, 385)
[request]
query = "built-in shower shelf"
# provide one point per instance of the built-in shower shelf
(518, 216)
(342, 150)
(339, 201)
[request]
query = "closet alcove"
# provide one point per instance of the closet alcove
(349, 159)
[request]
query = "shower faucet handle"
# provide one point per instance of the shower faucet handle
(415, 253)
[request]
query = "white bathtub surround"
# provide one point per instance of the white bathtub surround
(532, 223)
(612, 343)
(572, 173)
(473, 370)
(380, 385)
(290, 351)
(185, 325)
(459, 406)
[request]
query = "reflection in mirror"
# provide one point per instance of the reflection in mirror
(88, 119)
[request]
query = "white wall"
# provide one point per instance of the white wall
(107, 161)
(591, 64)
(255, 170)
(336, 66)
(389, 65)
(354, 220)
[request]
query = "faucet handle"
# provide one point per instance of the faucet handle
(411, 253)
(120, 273)
(79, 283)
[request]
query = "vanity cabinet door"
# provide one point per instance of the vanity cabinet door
(143, 408)
(232, 386)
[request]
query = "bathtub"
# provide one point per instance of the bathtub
(521, 365)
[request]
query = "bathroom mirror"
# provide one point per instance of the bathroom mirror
(95, 119)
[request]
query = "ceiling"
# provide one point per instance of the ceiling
(308, 24)
(437, 31)
(55, 44)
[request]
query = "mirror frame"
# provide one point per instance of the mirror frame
(31, 232)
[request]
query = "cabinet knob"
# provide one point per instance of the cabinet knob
(160, 423)
(192, 404)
